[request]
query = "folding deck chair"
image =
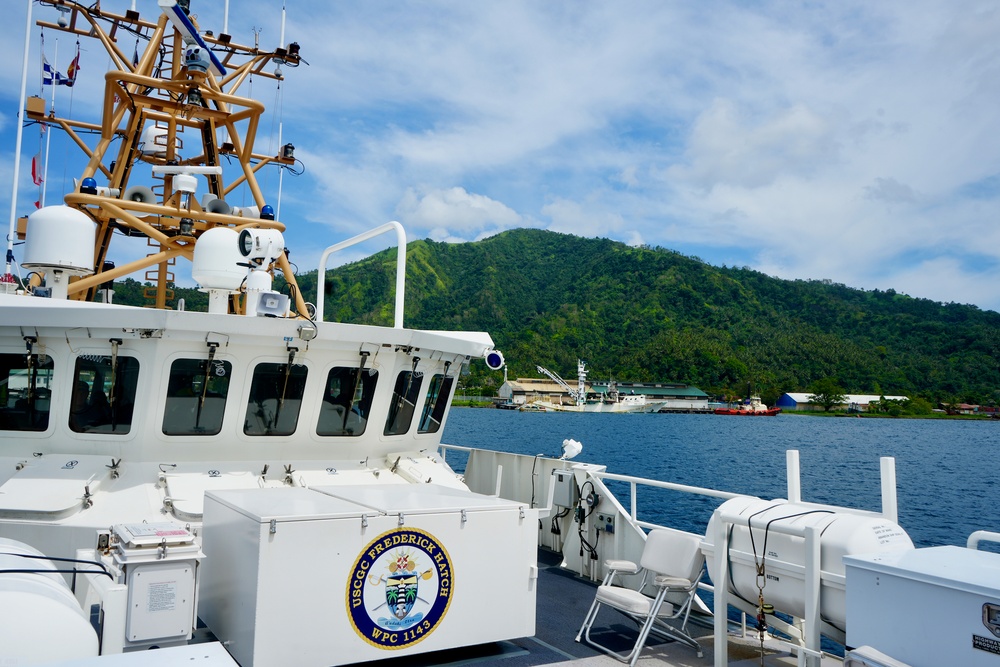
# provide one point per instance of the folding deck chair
(671, 562)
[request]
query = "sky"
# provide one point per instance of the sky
(851, 141)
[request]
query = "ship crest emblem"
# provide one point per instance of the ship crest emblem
(400, 588)
(402, 584)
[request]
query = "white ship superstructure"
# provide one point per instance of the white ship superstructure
(255, 485)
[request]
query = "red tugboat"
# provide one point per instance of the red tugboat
(751, 407)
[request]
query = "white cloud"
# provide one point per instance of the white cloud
(947, 279)
(890, 191)
(349, 196)
(570, 217)
(634, 239)
(453, 213)
(728, 148)
(628, 176)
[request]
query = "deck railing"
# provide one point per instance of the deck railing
(793, 475)
(527, 478)
(982, 536)
(360, 238)
(635, 482)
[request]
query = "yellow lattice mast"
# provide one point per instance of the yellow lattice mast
(179, 95)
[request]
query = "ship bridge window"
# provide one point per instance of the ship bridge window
(275, 398)
(25, 392)
(404, 401)
(347, 401)
(196, 396)
(435, 404)
(103, 394)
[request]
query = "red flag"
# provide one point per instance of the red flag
(73, 68)
(36, 169)
(38, 204)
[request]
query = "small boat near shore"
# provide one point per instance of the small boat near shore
(750, 407)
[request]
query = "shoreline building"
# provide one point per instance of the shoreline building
(676, 397)
(799, 400)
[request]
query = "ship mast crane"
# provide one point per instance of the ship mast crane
(579, 394)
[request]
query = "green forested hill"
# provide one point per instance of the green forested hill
(644, 314)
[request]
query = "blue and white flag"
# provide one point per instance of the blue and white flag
(50, 75)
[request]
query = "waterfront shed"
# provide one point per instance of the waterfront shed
(800, 401)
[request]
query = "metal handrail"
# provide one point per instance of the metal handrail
(360, 238)
(600, 477)
(634, 482)
(982, 535)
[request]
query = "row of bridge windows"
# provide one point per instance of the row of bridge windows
(105, 388)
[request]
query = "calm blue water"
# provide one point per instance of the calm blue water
(946, 470)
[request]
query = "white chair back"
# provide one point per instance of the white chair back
(673, 553)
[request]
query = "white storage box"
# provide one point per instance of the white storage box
(339, 575)
(159, 562)
(926, 607)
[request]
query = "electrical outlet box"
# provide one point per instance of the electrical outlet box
(565, 488)
(606, 522)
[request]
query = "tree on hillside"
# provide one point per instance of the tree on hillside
(826, 393)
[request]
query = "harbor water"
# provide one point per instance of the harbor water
(946, 470)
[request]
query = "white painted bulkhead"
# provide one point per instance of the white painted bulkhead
(84, 481)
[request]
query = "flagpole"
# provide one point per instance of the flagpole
(281, 173)
(281, 39)
(281, 168)
(8, 277)
(48, 135)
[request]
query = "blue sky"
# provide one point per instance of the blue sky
(852, 141)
